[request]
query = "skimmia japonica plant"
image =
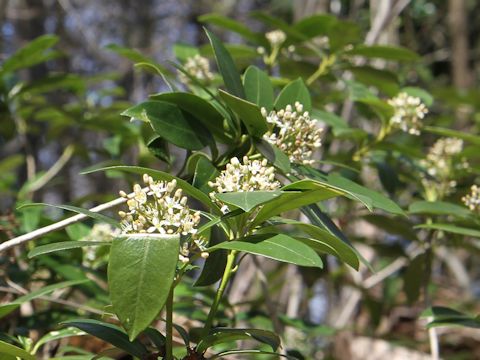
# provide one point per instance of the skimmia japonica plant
(260, 155)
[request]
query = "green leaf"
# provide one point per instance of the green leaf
(250, 352)
(378, 200)
(451, 229)
(294, 196)
(335, 121)
(215, 264)
(177, 126)
(438, 208)
(315, 25)
(258, 88)
(158, 147)
(199, 108)
(248, 112)
(64, 245)
(396, 226)
(443, 316)
(140, 275)
(132, 55)
(385, 81)
(413, 277)
(226, 66)
(56, 335)
(384, 52)
(78, 210)
(35, 52)
(232, 25)
(223, 335)
(274, 155)
(12, 350)
(204, 172)
(293, 92)
(321, 240)
(8, 308)
(111, 334)
(453, 133)
(277, 247)
(248, 200)
(160, 175)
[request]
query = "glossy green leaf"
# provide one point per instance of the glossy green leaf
(224, 354)
(214, 265)
(223, 335)
(160, 175)
(8, 308)
(384, 52)
(64, 245)
(140, 275)
(57, 335)
(277, 247)
(395, 226)
(248, 200)
(226, 66)
(443, 316)
(132, 55)
(293, 92)
(320, 240)
(294, 197)
(438, 208)
(175, 125)
(111, 334)
(274, 155)
(451, 229)
(198, 107)
(12, 350)
(78, 210)
(34, 52)
(258, 87)
(384, 80)
(158, 147)
(378, 200)
(248, 112)
(232, 25)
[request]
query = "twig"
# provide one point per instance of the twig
(57, 226)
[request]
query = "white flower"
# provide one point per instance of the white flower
(293, 132)
(276, 37)
(472, 200)
(249, 176)
(199, 68)
(158, 208)
(409, 113)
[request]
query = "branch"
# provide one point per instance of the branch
(58, 225)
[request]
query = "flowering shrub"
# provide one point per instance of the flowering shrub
(184, 233)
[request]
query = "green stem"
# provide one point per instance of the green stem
(169, 330)
(221, 289)
(322, 68)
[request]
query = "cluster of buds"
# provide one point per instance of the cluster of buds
(158, 208)
(409, 113)
(472, 200)
(293, 132)
(276, 37)
(249, 176)
(199, 68)
(443, 165)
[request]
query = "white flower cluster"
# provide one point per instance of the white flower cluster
(276, 37)
(249, 176)
(472, 200)
(199, 68)
(442, 164)
(409, 113)
(158, 208)
(293, 132)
